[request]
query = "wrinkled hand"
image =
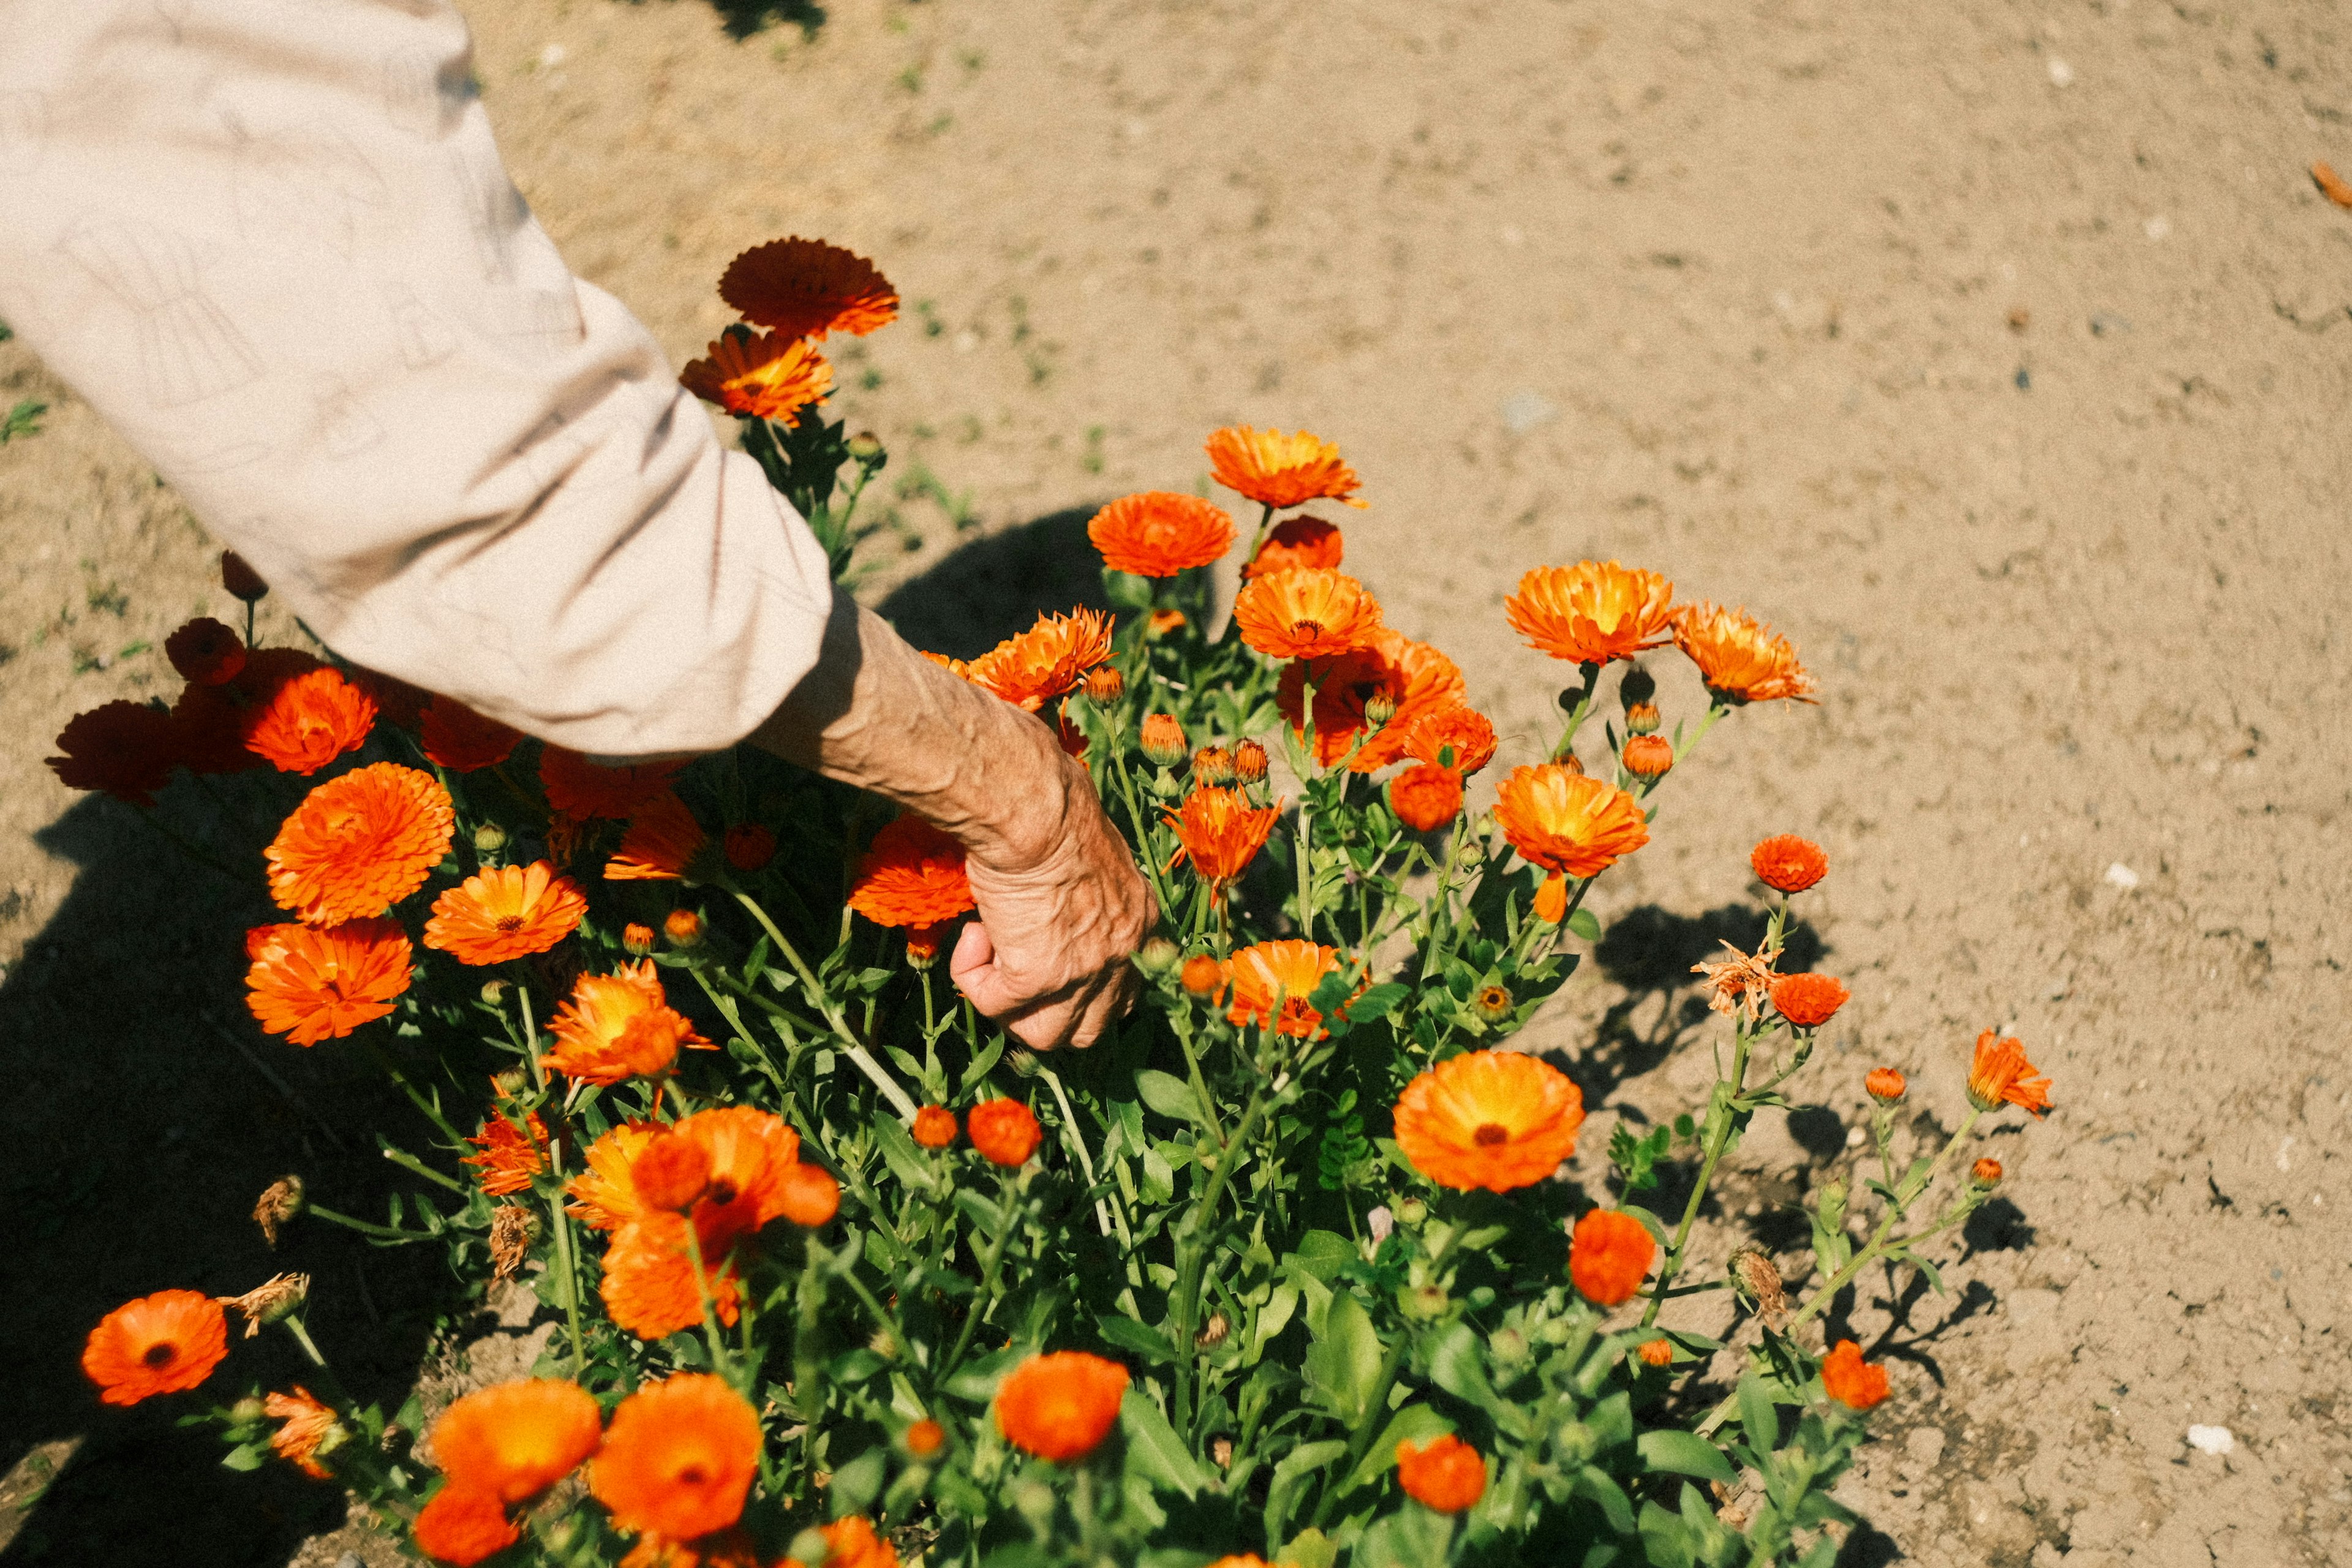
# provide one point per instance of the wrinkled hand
(1049, 956)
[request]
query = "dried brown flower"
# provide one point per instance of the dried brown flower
(269, 1301)
(509, 1239)
(278, 1205)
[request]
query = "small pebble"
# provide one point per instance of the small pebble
(2121, 875)
(2216, 1440)
(2060, 73)
(1526, 409)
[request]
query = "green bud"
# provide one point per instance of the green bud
(1156, 957)
(1422, 1303)
(490, 838)
(1832, 1204)
(247, 1412)
(865, 447)
(1509, 1346)
(808, 1546)
(1575, 1443)
(1026, 1063)
(1411, 1211)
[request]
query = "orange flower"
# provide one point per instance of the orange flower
(1849, 1380)
(359, 843)
(1497, 1120)
(165, 1343)
(1987, 1171)
(210, 725)
(458, 739)
(1159, 623)
(1160, 534)
(1004, 1131)
(618, 1025)
(911, 874)
(649, 1286)
(206, 652)
(662, 840)
(1591, 612)
(604, 1195)
(1220, 833)
(1278, 471)
(505, 912)
(1426, 796)
(808, 1195)
(1046, 661)
(310, 721)
(751, 1150)
(2001, 1073)
(851, 1542)
(126, 749)
(1307, 612)
(1808, 1001)
(306, 1424)
(1608, 1255)
(670, 1173)
(761, 375)
(1450, 735)
(1249, 762)
(1446, 1473)
(1203, 975)
(1296, 541)
(1648, 756)
(935, 1127)
(728, 1549)
(679, 1458)
(463, 1525)
(925, 1438)
(578, 787)
(1292, 968)
(1655, 1353)
(1550, 905)
(1420, 681)
(683, 927)
(1564, 822)
(1740, 658)
(807, 287)
(311, 984)
(1884, 1084)
(750, 846)
(922, 946)
(1162, 741)
(1060, 1406)
(1789, 863)
(511, 1154)
(514, 1440)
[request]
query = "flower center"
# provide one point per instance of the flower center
(511, 923)
(692, 1475)
(163, 1353)
(1490, 1133)
(1307, 630)
(722, 1192)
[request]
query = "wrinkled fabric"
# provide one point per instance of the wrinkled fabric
(273, 244)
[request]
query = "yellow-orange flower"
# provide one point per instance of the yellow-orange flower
(1452, 735)
(808, 1195)
(1297, 541)
(458, 739)
(505, 912)
(2001, 1074)
(1497, 1120)
(1426, 796)
(1591, 612)
(305, 1424)
(1160, 534)
(1046, 661)
(728, 1549)
(359, 843)
(1278, 471)
(1220, 833)
(808, 288)
(1608, 1255)
(1564, 822)
(649, 1284)
(911, 874)
(311, 984)
(577, 787)
(1416, 679)
(514, 1440)
(663, 839)
(679, 1458)
(1446, 1473)
(1307, 612)
(510, 1155)
(649, 1287)
(165, 1343)
(764, 375)
(1851, 1381)
(618, 1025)
(463, 1525)
(604, 1195)
(309, 721)
(1291, 969)
(1788, 863)
(851, 1542)
(1060, 1406)
(1004, 1131)
(1808, 1001)
(1161, 740)
(1659, 1351)
(1740, 656)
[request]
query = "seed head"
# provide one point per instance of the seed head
(280, 1202)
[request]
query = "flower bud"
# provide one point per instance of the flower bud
(1492, 1004)
(1381, 1224)
(1166, 784)
(684, 927)
(1249, 762)
(750, 846)
(494, 991)
(279, 1204)
(1203, 975)
(1636, 688)
(1509, 1346)
(1885, 1085)
(1212, 765)
(1163, 740)
(808, 1195)
(1156, 957)
(1105, 685)
(1659, 1351)
(636, 940)
(924, 1438)
(1411, 1211)
(1422, 1303)
(865, 447)
(1648, 756)
(1642, 719)
(1025, 1062)
(509, 1083)
(922, 947)
(490, 838)
(1380, 708)
(1986, 1172)
(247, 1412)
(241, 580)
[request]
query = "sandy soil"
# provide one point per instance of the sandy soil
(1996, 353)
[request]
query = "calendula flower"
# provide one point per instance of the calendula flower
(1851, 1381)
(2001, 1074)
(911, 874)
(924, 1438)
(1497, 1120)
(1446, 1473)
(309, 721)
(750, 846)
(728, 1549)
(679, 1458)
(670, 1173)
(505, 912)
(1291, 969)
(1426, 796)
(464, 1525)
(1740, 658)
(1202, 975)
(1212, 765)
(808, 288)
(662, 841)
(1563, 821)
(510, 1155)
(320, 984)
(1305, 613)
(514, 1440)
(604, 1195)
(1160, 534)
(808, 1195)
(650, 1287)
(1249, 762)
(935, 1127)
(1060, 1406)
(750, 1151)
(851, 1542)
(165, 1343)
(1045, 662)
(206, 652)
(580, 788)
(1591, 612)
(1448, 734)
(208, 724)
(125, 749)
(304, 1423)
(1789, 863)
(759, 375)
(1985, 1172)
(1414, 680)
(636, 940)
(1739, 982)
(1278, 471)
(1808, 1001)
(1884, 1084)
(1659, 1351)
(1648, 756)
(1608, 1255)
(1006, 1132)
(1220, 833)
(360, 842)
(1296, 541)
(618, 1025)
(1162, 741)
(458, 739)
(1159, 623)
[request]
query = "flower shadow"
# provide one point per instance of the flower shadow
(995, 585)
(742, 18)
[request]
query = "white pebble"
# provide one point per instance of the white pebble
(2121, 876)
(2060, 73)
(553, 55)
(2158, 227)
(2216, 1440)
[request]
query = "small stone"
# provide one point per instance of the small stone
(1526, 409)
(2060, 73)
(2214, 1440)
(2121, 875)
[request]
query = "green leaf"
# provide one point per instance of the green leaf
(857, 1483)
(1665, 1539)
(1152, 1449)
(1682, 1454)
(1586, 924)
(1282, 1489)
(246, 1456)
(1602, 1488)
(1344, 1364)
(1169, 1095)
(1323, 1253)
(900, 1153)
(1414, 1424)
(1759, 1414)
(1376, 1002)
(1130, 1335)
(1275, 1316)
(1459, 1367)
(1158, 1177)
(981, 1063)
(1413, 1537)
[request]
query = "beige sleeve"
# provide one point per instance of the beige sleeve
(271, 241)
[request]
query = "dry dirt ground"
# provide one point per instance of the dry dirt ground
(1996, 353)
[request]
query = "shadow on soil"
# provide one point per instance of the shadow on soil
(986, 590)
(741, 18)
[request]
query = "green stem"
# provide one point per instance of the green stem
(721, 1362)
(432, 1111)
(988, 1272)
(1191, 1247)
(1183, 1033)
(1878, 1243)
(1376, 1409)
(1720, 1119)
(408, 1161)
(365, 1227)
(293, 1322)
(1576, 715)
(854, 1048)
